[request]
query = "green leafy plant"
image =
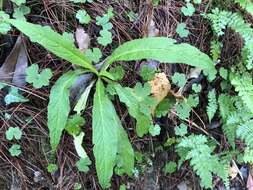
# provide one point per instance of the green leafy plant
(14, 96)
(52, 168)
(111, 144)
(203, 161)
(15, 150)
(83, 17)
(38, 79)
(13, 132)
(170, 167)
(182, 31)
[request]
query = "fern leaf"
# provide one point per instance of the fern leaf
(202, 160)
(245, 132)
(247, 5)
(212, 105)
(243, 85)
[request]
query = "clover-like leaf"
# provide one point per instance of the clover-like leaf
(73, 124)
(83, 164)
(20, 12)
(4, 27)
(13, 132)
(154, 130)
(170, 167)
(52, 168)
(181, 130)
(182, 31)
(94, 54)
(147, 73)
(38, 79)
(15, 150)
(188, 10)
(179, 79)
(117, 72)
(14, 97)
(105, 37)
(83, 17)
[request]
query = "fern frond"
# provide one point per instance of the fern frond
(245, 132)
(222, 19)
(247, 5)
(248, 155)
(204, 163)
(226, 107)
(243, 85)
(216, 50)
(212, 105)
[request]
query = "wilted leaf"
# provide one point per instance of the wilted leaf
(81, 104)
(82, 39)
(78, 140)
(160, 87)
(234, 170)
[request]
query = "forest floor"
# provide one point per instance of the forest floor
(132, 19)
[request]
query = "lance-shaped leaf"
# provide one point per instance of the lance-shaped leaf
(53, 42)
(105, 127)
(162, 49)
(125, 161)
(58, 107)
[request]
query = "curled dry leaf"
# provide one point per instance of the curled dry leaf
(82, 39)
(152, 30)
(13, 69)
(160, 87)
(234, 170)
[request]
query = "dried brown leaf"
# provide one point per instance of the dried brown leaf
(82, 39)
(250, 182)
(13, 69)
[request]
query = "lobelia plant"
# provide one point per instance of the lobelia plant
(112, 148)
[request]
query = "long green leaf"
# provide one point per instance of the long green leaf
(105, 135)
(58, 107)
(125, 153)
(162, 49)
(53, 42)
